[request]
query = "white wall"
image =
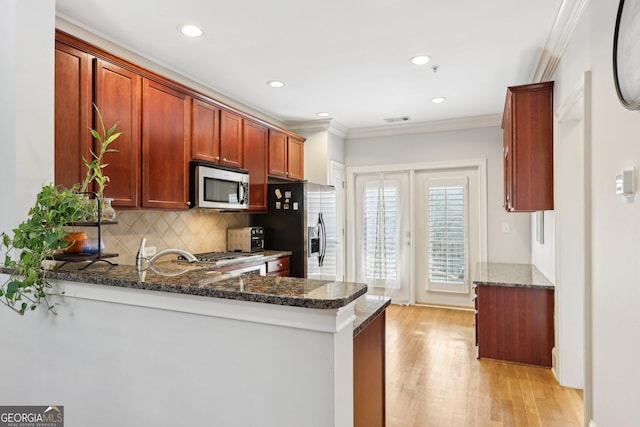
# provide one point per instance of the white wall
(26, 104)
(152, 358)
(319, 149)
(514, 246)
(316, 157)
(615, 237)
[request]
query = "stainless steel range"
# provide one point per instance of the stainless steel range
(217, 257)
(223, 259)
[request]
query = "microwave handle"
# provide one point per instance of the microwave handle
(241, 192)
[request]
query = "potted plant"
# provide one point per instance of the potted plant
(95, 167)
(35, 240)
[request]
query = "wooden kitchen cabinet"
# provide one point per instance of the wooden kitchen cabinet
(205, 131)
(166, 150)
(73, 98)
(295, 158)
(515, 324)
(118, 95)
(279, 267)
(369, 374)
(286, 155)
(528, 148)
(231, 139)
(255, 152)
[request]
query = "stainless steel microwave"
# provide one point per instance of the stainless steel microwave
(218, 187)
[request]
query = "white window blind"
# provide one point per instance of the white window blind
(380, 208)
(447, 231)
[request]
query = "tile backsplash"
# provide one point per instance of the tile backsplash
(194, 230)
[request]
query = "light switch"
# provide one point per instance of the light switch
(624, 183)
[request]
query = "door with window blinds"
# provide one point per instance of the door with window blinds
(383, 237)
(447, 235)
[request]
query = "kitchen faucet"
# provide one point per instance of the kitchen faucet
(142, 263)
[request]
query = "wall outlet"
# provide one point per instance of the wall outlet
(149, 251)
(505, 227)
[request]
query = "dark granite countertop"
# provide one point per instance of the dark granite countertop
(368, 307)
(199, 279)
(510, 275)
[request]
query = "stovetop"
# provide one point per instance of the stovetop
(224, 256)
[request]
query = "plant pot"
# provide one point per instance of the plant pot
(75, 240)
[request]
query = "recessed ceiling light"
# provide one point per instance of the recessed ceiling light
(420, 59)
(275, 83)
(190, 30)
(438, 100)
(323, 114)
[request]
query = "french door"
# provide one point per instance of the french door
(383, 235)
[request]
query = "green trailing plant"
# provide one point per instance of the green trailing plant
(104, 137)
(35, 240)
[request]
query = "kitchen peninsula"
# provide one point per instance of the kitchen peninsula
(197, 348)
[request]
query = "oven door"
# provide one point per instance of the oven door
(260, 269)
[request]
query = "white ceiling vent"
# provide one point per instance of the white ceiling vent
(397, 119)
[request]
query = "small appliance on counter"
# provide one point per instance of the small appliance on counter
(245, 239)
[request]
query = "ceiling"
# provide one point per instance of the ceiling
(346, 57)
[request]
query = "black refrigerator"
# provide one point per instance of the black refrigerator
(302, 219)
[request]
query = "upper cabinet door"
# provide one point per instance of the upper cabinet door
(295, 158)
(277, 153)
(528, 144)
(230, 139)
(73, 82)
(256, 139)
(205, 134)
(118, 96)
(166, 136)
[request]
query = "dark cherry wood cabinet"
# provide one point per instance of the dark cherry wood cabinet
(205, 131)
(231, 139)
(277, 153)
(118, 95)
(255, 152)
(73, 98)
(279, 267)
(166, 140)
(515, 324)
(369, 374)
(286, 155)
(295, 158)
(164, 124)
(528, 148)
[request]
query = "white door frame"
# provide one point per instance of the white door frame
(352, 171)
(576, 107)
(337, 179)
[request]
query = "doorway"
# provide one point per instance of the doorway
(572, 241)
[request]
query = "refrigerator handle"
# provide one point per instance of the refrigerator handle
(323, 241)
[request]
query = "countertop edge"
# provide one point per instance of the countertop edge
(284, 300)
(368, 308)
(511, 275)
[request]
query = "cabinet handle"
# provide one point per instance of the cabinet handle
(279, 264)
(217, 157)
(224, 160)
(188, 203)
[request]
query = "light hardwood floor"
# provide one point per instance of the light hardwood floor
(434, 379)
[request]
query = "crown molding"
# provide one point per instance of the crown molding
(567, 18)
(491, 120)
(314, 126)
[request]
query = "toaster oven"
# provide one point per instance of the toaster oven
(245, 239)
